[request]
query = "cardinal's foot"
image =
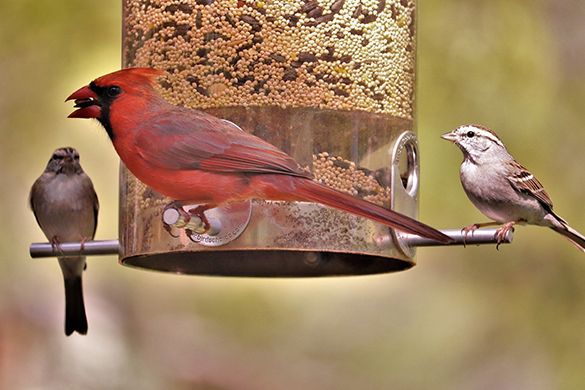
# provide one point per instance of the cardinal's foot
(193, 220)
(198, 213)
(203, 225)
(180, 215)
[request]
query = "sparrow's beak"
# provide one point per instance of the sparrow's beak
(86, 103)
(451, 136)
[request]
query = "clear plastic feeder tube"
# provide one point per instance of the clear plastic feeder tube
(330, 82)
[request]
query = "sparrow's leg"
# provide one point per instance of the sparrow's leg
(55, 244)
(473, 228)
(83, 241)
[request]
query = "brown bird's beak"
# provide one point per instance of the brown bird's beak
(86, 103)
(451, 136)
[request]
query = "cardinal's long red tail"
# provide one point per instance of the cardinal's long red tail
(314, 192)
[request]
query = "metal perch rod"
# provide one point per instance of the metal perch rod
(90, 248)
(478, 237)
(112, 247)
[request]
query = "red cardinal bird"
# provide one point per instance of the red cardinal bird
(197, 158)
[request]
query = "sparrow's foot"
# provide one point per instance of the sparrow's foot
(503, 231)
(83, 241)
(473, 228)
(469, 229)
(56, 244)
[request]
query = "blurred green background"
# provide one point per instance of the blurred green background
(473, 318)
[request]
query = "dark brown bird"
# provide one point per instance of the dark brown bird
(66, 207)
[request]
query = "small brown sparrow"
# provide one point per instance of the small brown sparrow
(501, 188)
(66, 207)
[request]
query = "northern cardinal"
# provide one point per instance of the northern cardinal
(197, 158)
(66, 208)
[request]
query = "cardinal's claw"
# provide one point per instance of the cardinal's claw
(199, 211)
(169, 229)
(190, 234)
(192, 221)
(176, 205)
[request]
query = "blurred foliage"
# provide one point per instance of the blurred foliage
(473, 318)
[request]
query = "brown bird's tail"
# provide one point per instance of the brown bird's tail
(314, 192)
(75, 318)
(573, 236)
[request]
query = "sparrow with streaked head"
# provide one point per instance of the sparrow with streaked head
(501, 188)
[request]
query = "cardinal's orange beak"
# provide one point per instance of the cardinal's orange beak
(86, 103)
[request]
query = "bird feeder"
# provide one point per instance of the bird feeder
(331, 83)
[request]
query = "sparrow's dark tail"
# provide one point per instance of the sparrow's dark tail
(314, 192)
(75, 319)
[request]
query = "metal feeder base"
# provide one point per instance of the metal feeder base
(267, 263)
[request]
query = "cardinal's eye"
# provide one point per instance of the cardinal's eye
(114, 91)
(470, 134)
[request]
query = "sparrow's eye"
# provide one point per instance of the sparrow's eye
(114, 91)
(57, 157)
(470, 134)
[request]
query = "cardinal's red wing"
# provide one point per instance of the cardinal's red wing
(185, 139)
